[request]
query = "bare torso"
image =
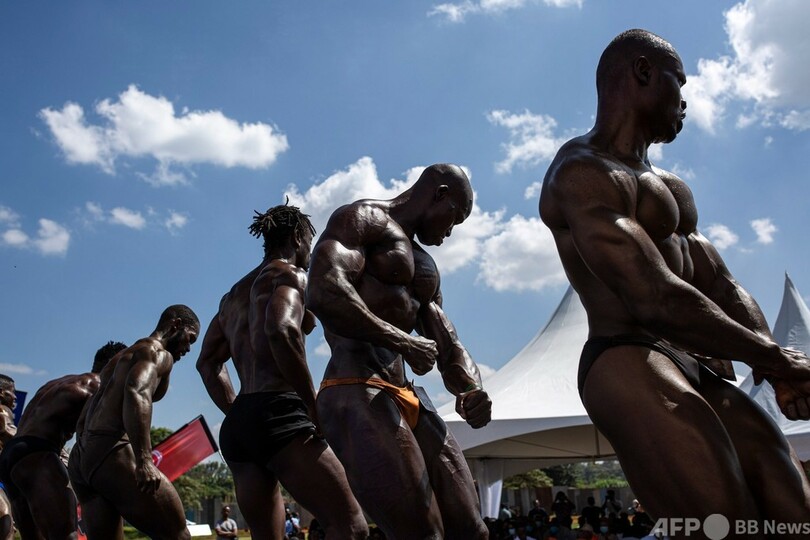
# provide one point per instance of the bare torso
(55, 408)
(105, 410)
(660, 202)
(396, 280)
(242, 320)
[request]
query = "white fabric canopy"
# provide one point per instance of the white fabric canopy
(537, 417)
(792, 329)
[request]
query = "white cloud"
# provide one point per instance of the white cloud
(765, 230)
(531, 138)
(655, 152)
(52, 238)
(522, 256)
(323, 349)
(94, 210)
(15, 238)
(533, 190)
(127, 218)
(9, 216)
(766, 71)
(456, 13)
(684, 172)
(721, 236)
(141, 125)
(172, 220)
(20, 369)
(176, 221)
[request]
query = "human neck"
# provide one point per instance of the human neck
(284, 253)
(620, 131)
(404, 209)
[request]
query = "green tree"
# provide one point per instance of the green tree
(531, 479)
(158, 434)
(565, 475)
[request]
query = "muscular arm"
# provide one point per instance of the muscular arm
(459, 372)
(713, 279)
(211, 366)
(598, 205)
(141, 383)
(281, 299)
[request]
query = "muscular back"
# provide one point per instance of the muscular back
(54, 410)
(365, 261)
(590, 197)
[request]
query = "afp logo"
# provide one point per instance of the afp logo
(157, 457)
(714, 527)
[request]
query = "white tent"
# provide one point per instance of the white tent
(537, 417)
(792, 329)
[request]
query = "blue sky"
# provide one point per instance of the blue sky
(137, 139)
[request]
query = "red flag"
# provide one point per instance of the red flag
(184, 448)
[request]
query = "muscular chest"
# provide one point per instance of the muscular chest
(657, 209)
(404, 266)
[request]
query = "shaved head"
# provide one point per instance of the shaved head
(624, 49)
(451, 176)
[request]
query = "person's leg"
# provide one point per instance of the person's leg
(382, 460)
(100, 519)
(672, 446)
(772, 470)
(259, 498)
(52, 509)
(159, 515)
(451, 479)
(311, 472)
(6, 522)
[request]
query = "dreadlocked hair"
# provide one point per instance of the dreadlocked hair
(279, 224)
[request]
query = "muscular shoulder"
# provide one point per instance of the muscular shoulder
(581, 177)
(279, 273)
(358, 224)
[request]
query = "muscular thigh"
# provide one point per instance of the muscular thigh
(158, 512)
(664, 431)
(450, 477)
(772, 470)
(382, 458)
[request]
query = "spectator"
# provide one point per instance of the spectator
(505, 513)
(642, 522)
(558, 531)
(562, 509)
(292, 526)
(226, 528)
(611, 504)
(521, 531)
(538, 513)
(591, 514)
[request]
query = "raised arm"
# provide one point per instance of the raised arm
(278, 292)
(211, 366)
(598, 204)
(338, 262)
(460, 374)
(141, 383)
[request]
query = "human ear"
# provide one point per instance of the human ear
(441, 192)
(642, 69)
